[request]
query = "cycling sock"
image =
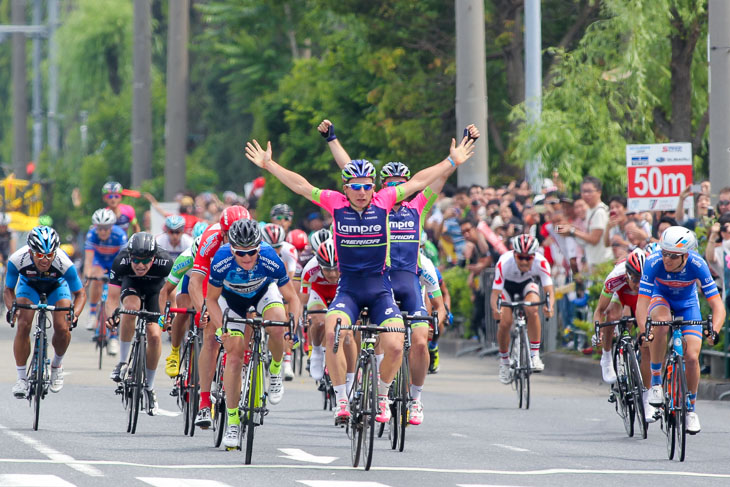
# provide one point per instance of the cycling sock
(56, 362)
(287, 357)
(233, 417)
(535, 349)
(341, 392)
(22, 373)
(503, 358)
(150, 377)
(175, 351)
(319, 349)
(124, 350)
(379, 359)
(416, 392)
(383, 387)
(606, 357)
(92, 309)
(349, 380)
(275, 367)
(656, 374)
(691, 401)
(204, 400)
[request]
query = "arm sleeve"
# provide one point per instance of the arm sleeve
(646, 286)
(709, 288)
(181, 266)
(281, 276)
(428, 276)
(498, 283)
(543, 271)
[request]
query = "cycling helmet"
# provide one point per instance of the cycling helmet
(103, 216)
(395, 169)
(273, 234)
(281, 209)
(142, 245)
(196, 244)
(43, 239)
(298, 238)
(199, 229)
(232, 214)
(678, 239)
(358, 168)
(316, 238)
(524, 244)
(244, 233)
(175, 222)
(326, 255)
(635, 263)
(651, 248)
(112, 187)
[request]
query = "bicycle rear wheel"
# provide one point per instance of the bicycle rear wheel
(138, 388)
(357, 404)
(394, 423)
(637, 391)
(252, 396)
(193, 395)
(404, 395)
(668, 415)
(101, 336)
(218, 409)
(371, 406)
(623, 402)
(183, 377)
(524, 370)
(680, 411)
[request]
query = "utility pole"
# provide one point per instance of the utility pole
(141, 105)
(533, 82)
(36, 107)
(471, 87)
(20, 107)
(176, 115)
(53, 137)
(719, 54)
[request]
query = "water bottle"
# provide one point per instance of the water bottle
(677, 340)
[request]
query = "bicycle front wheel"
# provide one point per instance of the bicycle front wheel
(668, 414)
(252, 394)
(680, 411)
(39, 379)
(357, 404)
(138, 388)
(404, 395)
(218, 409)
(101, 340)
(623, 402)
(183, 393)
(637, 391)
(193, 394)
(524, 370)
(370, 401)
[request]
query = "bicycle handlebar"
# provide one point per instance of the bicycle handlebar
(369, 328)
(45, 307)
(146, 315)
(102, 278)
(521, 304)
(706, 324)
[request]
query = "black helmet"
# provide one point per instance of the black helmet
(282, 209)
(142, 245)
(244, 233)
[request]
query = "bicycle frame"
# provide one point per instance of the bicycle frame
(187, 383)
(100, 337)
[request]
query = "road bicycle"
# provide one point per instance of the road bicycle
(674, 383)
(252, 405)
(134, 381)
(100, 339)
(364, 392)
(39, 377)
(187, 382)
(627, 393)
(325, 384)
(218, 411)
(520, 362)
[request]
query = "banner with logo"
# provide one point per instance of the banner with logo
(657, 173)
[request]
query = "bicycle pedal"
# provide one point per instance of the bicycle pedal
(612, 398)
(173, 393)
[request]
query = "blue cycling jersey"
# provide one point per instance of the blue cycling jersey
(62, 270)
(678, 288)
(105, 250)
(238, 282)
(405, 231)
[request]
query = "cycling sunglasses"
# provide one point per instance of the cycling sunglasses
(41, 255)
(176, 232)
(359, 186)
(524, 256)
(103, 227)
(282, 217)
(671, 255)
(136, 260)
(245, 253)
(112, 196)
(391, 184)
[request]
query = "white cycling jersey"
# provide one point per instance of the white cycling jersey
(507, 270)
(427, 274)
(289, 255)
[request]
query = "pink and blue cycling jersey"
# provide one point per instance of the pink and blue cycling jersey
(127, 217)
(405, 231)
(361, 238)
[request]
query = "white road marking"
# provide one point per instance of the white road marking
(340, 483)
(459, 435)
(22, 480)
(485, 485)
(54, 455)
(165, 412)
(170, 482)
(302, 456)
(508, 447)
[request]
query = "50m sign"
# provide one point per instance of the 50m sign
(657, 174)
(658, 181)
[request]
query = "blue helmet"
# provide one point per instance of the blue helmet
(199, 229)
(358, 168)
(43, 239)
(395, 169)
(175, 222)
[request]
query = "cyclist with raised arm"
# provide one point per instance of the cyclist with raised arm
(246, 273)
(179, 279)
(361, 238)
(618, 298)
(211, 240)
(138, 274)
(126, 216)
(40, 267)
(515, 277)
(668, 288)
(173, 239)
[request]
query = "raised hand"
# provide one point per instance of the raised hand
(257, 155)
(462, 152)
(327, 130)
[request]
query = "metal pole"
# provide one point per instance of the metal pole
(719, 54)
(471, 87)
(20, 107)
(177, 89)
(533, 81)
(36, 108)
(141, 105)
(52, 79)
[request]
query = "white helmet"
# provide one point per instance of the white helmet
(678, 239)
(103, 216)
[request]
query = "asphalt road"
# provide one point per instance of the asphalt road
(473, 434)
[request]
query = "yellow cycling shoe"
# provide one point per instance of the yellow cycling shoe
(172, 364)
